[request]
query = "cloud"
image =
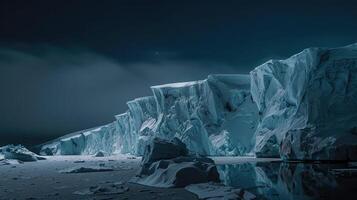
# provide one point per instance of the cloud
(48, 92)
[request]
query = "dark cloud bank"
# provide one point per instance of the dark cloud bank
(56, 91)
(71, 65)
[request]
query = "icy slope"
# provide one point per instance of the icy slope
(215, 116)
(308, 105)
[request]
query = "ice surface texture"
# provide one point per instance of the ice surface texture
(308, 105)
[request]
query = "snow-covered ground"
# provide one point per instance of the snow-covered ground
(43, 180)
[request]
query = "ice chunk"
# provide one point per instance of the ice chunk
(308, 102)
(164, 165)
(19, 152)
(86, 169)
(218, 191)
(100, 154)
(178, 172)
(111, 189)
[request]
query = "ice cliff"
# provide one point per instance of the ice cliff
(215, 116)
(308, 105)
(303, 107)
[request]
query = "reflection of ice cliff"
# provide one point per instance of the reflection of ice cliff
(290, 180)
(303, 107)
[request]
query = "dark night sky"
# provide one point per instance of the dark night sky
(67, 66)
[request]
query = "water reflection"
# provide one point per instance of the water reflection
(280, 180)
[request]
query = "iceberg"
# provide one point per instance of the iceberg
(307, 105)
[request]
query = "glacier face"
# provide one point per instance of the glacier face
(303, 107)
(308, 105)
(142, 121)
(88, 142)
(215, 116)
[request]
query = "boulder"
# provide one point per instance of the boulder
(167, 164)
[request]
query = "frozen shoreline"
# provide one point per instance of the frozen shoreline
(43, 180)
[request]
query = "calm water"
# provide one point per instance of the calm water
(281, 180)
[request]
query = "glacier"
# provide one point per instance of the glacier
(214, 116)
(300, 108)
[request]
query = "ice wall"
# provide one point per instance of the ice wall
(215, 116)
(300, 108)
(124, 135)
(102, 138)
(142, 120)
(307, 105)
